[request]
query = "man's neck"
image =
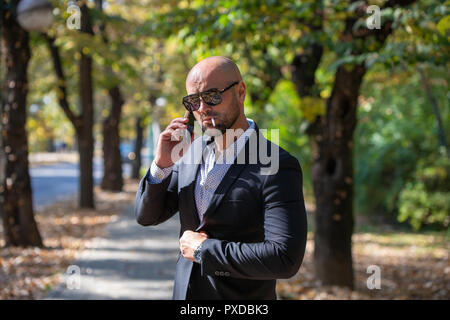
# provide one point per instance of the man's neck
(225, 140)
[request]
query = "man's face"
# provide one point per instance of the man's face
(225, 114)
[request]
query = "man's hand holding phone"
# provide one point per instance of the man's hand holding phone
(168, 139)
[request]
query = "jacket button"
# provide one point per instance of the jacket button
(222, 273)
(227, 274)
(217, 273)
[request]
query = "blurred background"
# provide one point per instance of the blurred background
(357, 89)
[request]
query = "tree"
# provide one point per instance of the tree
(137, 161)
(83, 122)
(84, 131)
(112, 161)
(16, 205)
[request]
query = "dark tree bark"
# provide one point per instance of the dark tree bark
(16, 206)
(84, 132)
(112, 178)
(137, 162)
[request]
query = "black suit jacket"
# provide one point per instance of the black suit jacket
(256, 222)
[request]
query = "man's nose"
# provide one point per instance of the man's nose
(204, 107)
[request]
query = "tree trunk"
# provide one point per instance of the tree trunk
(332, 174)
(84, 132)
(331, 137)
(86, 152)
(137, 162)
(51, 144)
(85, 136)
(112, 178)
(112, 161)
(16, 206)
(83, 123)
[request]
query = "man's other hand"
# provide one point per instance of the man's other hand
(190, 241)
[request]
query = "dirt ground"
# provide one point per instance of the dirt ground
(412, 266)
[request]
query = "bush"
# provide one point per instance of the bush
(426, 201)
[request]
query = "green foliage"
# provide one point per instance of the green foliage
(426, 200)
(444, 25)
(396, 130)
(260, 36)
(46, 124)
(283, 112)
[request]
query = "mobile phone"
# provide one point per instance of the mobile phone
(190, 124)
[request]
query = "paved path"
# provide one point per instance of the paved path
(59, 181)
(130, 262)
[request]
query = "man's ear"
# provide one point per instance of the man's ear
(242, 91)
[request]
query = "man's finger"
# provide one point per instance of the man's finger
(172, 134)
(167, 134)
(179, 120)
(176, 125)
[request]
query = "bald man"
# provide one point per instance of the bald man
(243, 221)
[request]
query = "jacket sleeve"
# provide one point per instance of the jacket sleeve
(156, 203)
(285, 231)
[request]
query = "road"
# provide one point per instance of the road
(55, 182)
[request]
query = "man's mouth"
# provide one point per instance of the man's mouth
(210, 120)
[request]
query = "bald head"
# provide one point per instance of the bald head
(218, 70)
(218, 73)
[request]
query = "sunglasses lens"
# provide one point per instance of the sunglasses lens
(212, 97)
(191, 103)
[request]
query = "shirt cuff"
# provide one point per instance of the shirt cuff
(157, 174)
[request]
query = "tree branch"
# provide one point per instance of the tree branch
(441, 131)
(62, 87)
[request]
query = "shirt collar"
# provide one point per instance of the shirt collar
(229, 154)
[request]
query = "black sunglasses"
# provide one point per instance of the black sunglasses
(211, 97)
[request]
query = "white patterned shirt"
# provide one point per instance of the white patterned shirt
(212, 170)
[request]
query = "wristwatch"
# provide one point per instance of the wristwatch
(198, 254)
